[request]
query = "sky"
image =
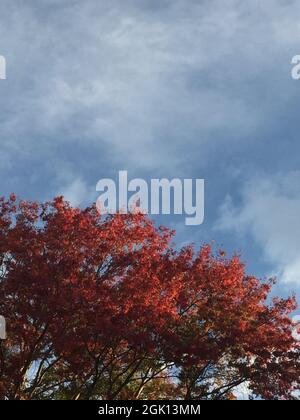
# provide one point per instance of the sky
(197, 89)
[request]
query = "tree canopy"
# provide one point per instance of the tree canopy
(106, 308)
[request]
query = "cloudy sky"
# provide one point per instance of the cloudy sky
(161, 88)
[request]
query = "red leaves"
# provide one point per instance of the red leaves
(89, 298)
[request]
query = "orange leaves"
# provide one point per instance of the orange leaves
(12, 197)
(82, 289)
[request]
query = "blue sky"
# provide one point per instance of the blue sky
(197, 89)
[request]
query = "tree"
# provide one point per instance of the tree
(104, 307)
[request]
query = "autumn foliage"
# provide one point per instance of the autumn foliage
(106, 308)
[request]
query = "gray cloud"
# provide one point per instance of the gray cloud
(161, 88)
(139, 78)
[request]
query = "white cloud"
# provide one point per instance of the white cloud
(270, 212)
(76, 192)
